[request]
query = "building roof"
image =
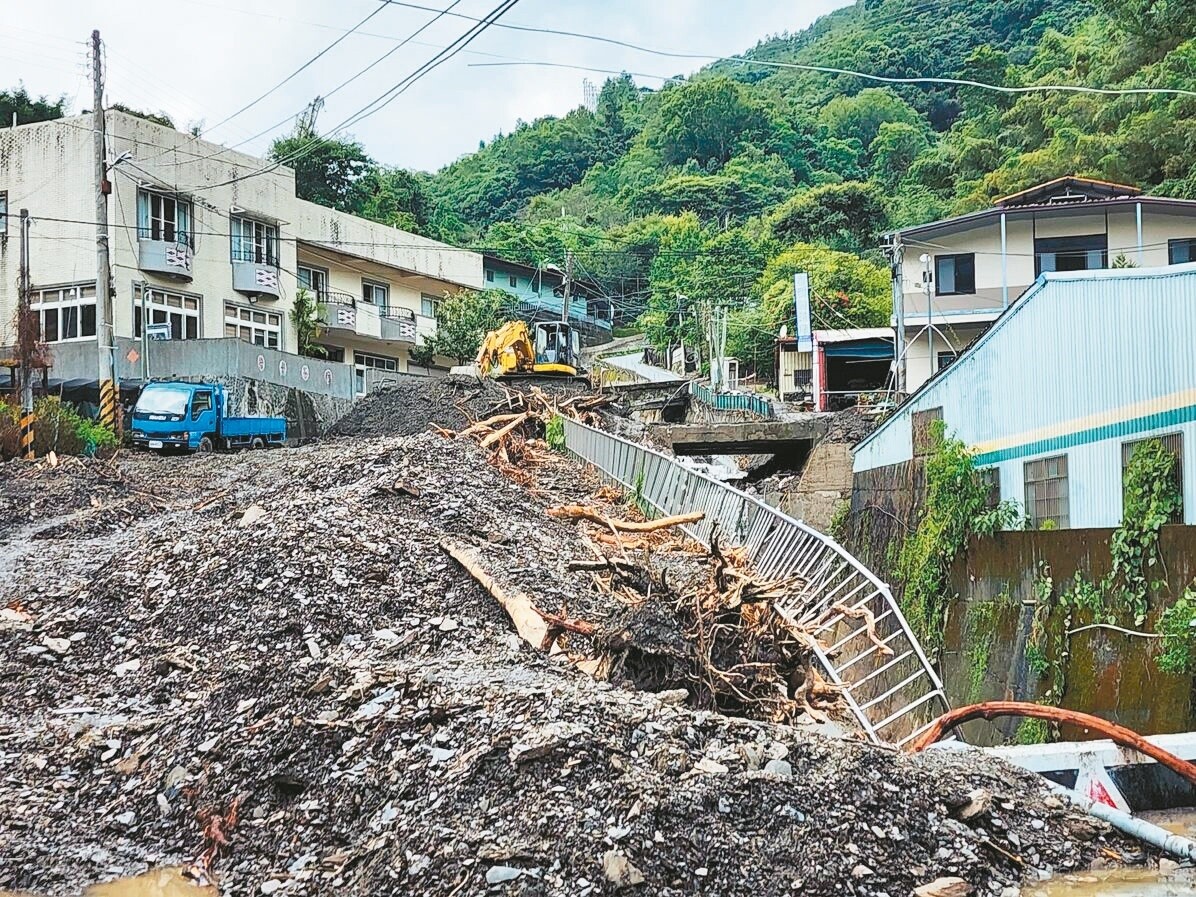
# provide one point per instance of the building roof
(851, 334)
(1134, 278)
(1067, 189)
(1062, 196)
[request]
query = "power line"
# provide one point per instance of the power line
(382, 100)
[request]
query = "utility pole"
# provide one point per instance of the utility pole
(568, 291)
(105, 332)
(26, 337)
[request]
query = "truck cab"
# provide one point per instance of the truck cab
(193, 417)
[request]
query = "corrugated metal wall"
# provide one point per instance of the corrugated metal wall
(1083, 362)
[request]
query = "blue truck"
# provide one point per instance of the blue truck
(192, 417)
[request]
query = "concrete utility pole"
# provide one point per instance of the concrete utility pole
(26, 337)
(105, 332)
(568, 291)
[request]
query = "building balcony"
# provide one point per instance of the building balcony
(255, 278)
(171, 258)
(344, 313)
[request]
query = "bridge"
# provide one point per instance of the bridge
(749, 437)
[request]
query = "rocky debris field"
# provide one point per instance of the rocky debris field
(275, 673)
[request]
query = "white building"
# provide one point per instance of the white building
(212, 243)
(953, 278)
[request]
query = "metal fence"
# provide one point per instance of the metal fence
(732, 401)
(864, 643)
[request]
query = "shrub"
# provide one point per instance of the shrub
(61, 429)
(10, 430)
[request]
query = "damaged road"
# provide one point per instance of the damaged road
(273, 671)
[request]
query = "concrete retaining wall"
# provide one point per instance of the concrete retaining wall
(1000, 581)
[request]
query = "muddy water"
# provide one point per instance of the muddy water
(166, 882)
(1130, 882)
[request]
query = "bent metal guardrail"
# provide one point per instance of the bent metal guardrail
(865, 645)
(732, 401)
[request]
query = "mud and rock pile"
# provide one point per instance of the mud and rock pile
(289, 661)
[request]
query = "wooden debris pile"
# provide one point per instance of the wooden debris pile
(514, 430)
(715, 636)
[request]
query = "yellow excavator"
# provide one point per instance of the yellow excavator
(549, 349)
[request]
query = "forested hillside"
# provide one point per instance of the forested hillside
(719, 187)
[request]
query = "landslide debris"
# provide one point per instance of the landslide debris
(288, 662)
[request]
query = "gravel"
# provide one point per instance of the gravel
(280, 631)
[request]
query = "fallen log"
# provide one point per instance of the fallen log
(580, 512)
(523, 613)
(500, 434)
(1119, 734)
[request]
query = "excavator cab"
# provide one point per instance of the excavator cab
(557, 348)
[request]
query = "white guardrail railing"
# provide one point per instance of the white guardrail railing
(865, 644)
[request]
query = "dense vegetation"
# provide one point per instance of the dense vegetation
(717, 187)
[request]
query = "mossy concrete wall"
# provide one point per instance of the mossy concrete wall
(1000, 580)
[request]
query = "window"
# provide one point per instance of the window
(1071, 253)
(181, 312)
(65, 313)
(201, 402)
(490, 276)
(164, 218)
(3, 213)
(921, 423)
(375, 293)
(254, 241)
(991, 477)
(1178, 251)
(1172, 442)
(945, 359)
(362, 361)
(429, 306)
(513, 281)
(315, 280)
(1046, 492)
(262, 328)
(334, 353)
(955, 275)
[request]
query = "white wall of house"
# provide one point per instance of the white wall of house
(48, 167)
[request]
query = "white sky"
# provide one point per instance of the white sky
(204, 59)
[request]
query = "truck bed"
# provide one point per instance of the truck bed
(252, 426)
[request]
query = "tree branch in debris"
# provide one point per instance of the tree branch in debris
(869, 618)
(1119, 734)
(580, 512)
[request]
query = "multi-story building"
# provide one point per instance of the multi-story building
(210, 243)
(540, 292)
(953, 278)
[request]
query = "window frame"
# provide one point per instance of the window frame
(259, 246)
(938, 359)
(426, 300)
(1093, 239)
(513, 281)
(189, 308)
(1189, 242)
(490, 275)
(1173, 442)
(1031, 485)
(954, 258)
(69, 297)
(152, 225)
(321, 293)
(195, 396)
(255, 325)
(3, 214)
(373, 286)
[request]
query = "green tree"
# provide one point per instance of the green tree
(707, 120)
(859, 117)
(326, 170)
(159, 118)
(463, 320)
(307, 317)
(844, 216)
(18, 106)
(392, 196)
(896, 147)
(711, 197)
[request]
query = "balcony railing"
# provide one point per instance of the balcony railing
(342, 311)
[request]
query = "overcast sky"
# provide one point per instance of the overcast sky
(204, 59)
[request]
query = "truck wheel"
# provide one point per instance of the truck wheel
(257, 443)
(205, 445)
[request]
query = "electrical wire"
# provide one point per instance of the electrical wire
(381, 101)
